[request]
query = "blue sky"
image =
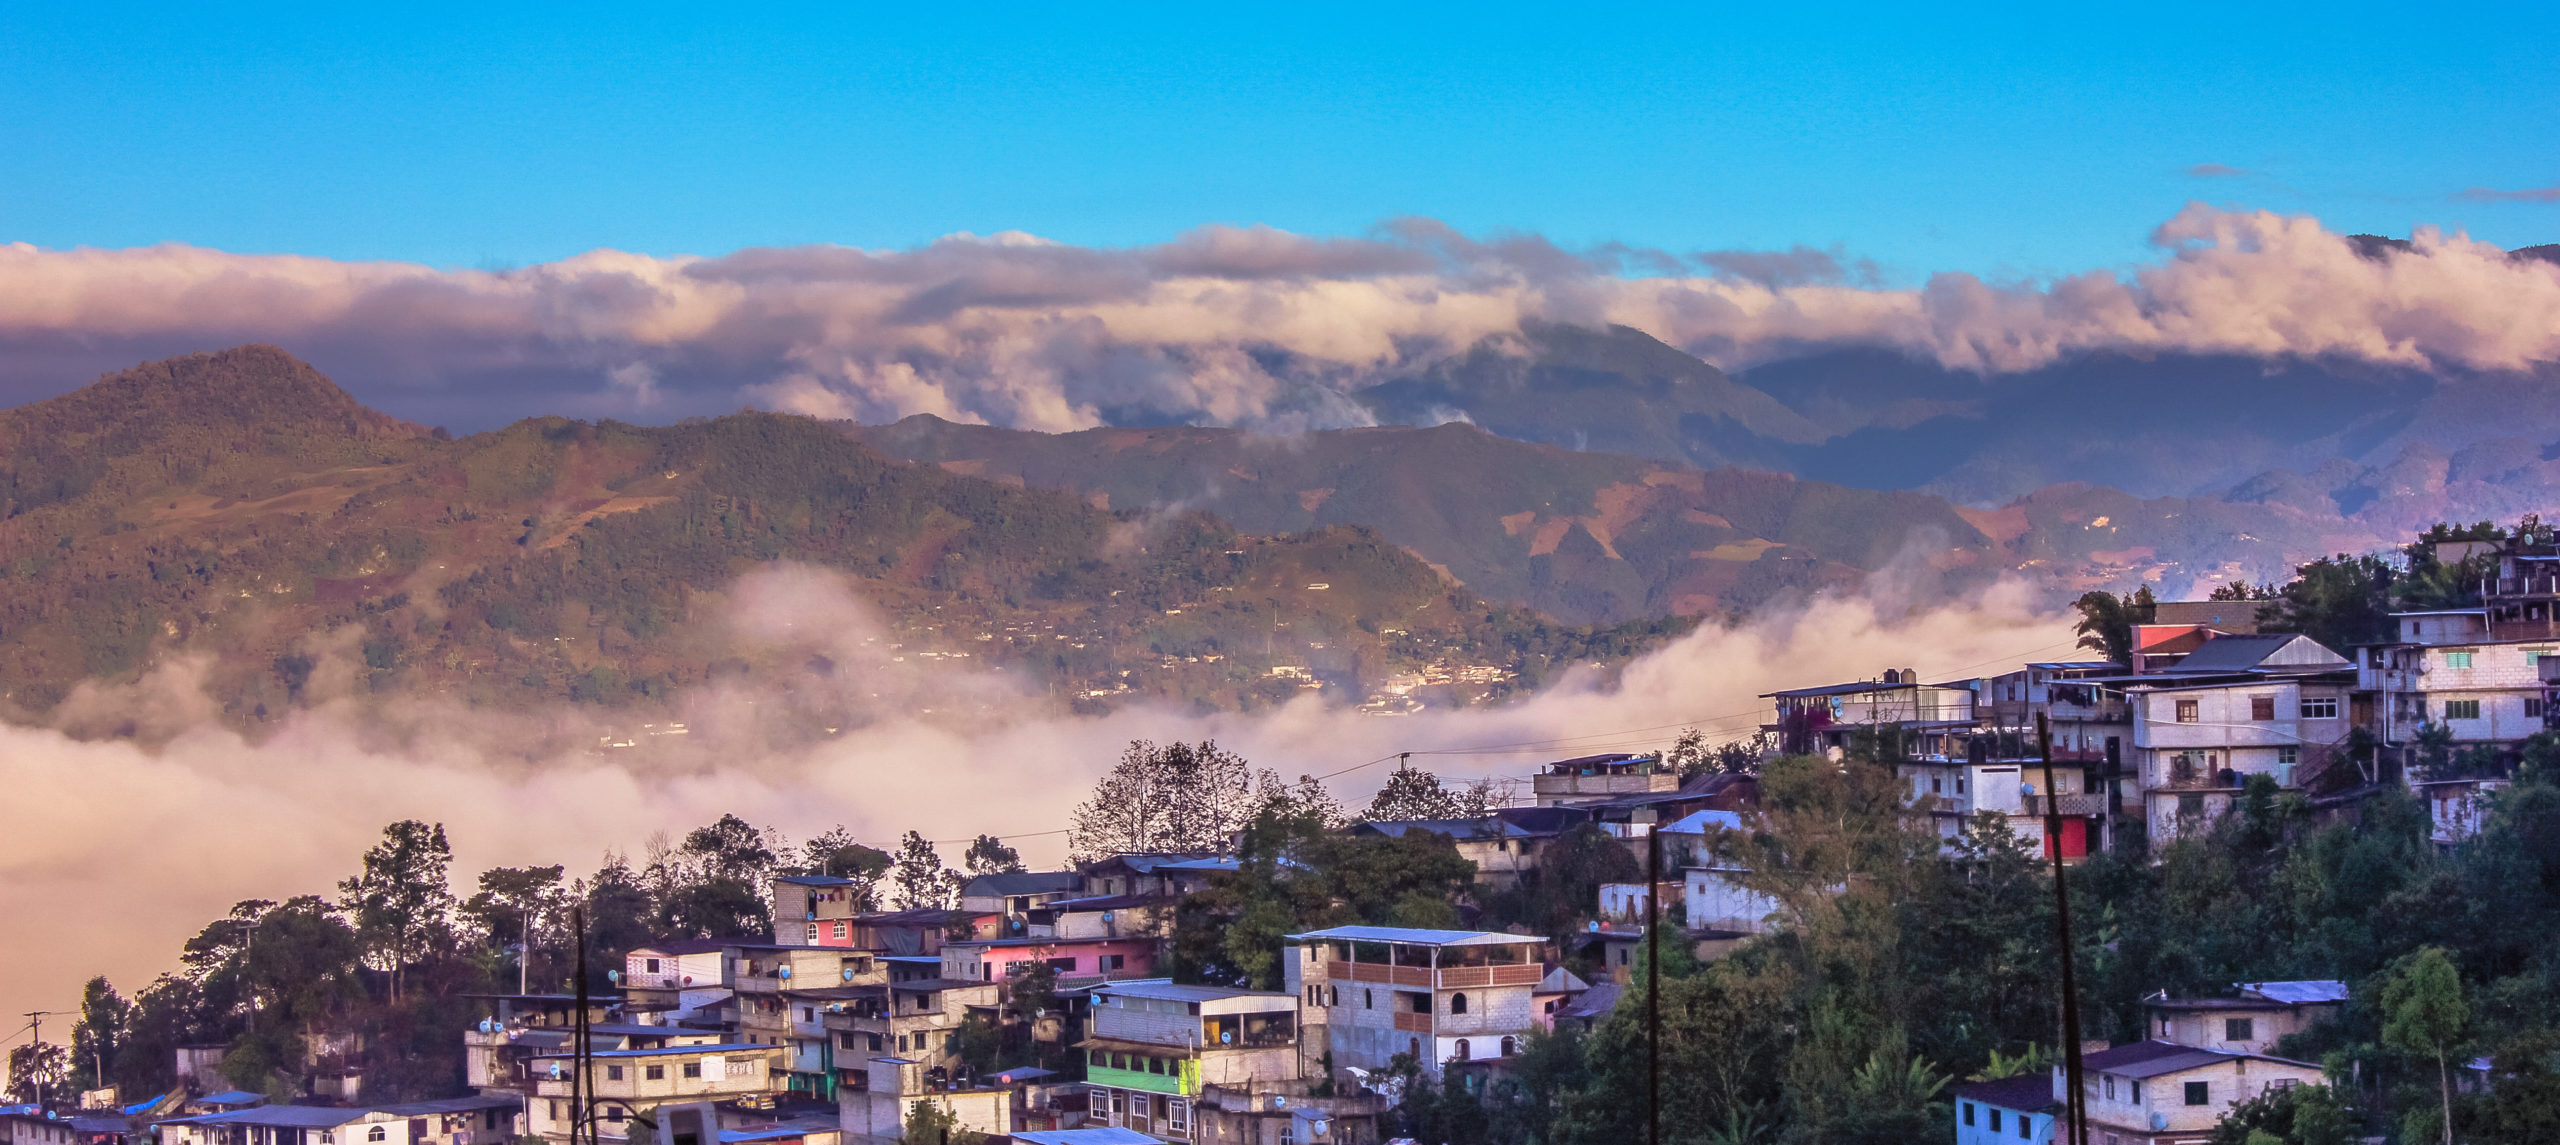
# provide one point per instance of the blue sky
(2017, 142)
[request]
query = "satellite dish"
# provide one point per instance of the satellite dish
(613, 976)
(848, 974)
(782, 972)
(1279, 1102)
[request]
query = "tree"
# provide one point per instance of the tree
(712, 885)
(37, 1071)
(619, 915)
(401, 902)
(2107, 621)
(2339, 601)
(2424, 1014)
(989, 856)
(97, 1043)
(836, 853)
(1411, 793)
(1688, 755)
(521, 909)
(920, 877)
(930, 1122)
(1178, 798)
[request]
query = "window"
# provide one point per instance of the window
(2137, 1091)
(693, 1069)
(1510, 1045)
(2319, 707)
(2457, 659)
(376, 1133)
(613, 1113)
(2239, 1029)
(1155, 1066)
(656, 1072)
(1418, 1003)
(1995, 1121)
(2024, 1124)
(2186, 715)
(1063, 965)
(1177, 1115)
(613, 1073)
(1460, 1052)
(1368, 999)
(2262, 707)
(2198, 1093)
(2108, 1086)
(2533, 707)
(1112, 961)
(1968, 1113)
(1937, 786)
(2289, 754)
(2462, 709)
(836, 929)
(1457, 1003)
(652, 965)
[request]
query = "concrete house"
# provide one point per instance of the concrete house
(2251, 1021)
(2162, 1093)
(1441, 995)
(2007, 1111)
(1012, 896)
(2273, 705)
(678, 1087)
(1154, 1046)
(2448, 670)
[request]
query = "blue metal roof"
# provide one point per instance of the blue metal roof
(1414, 936)
(2301, 992)
(1100, 1135)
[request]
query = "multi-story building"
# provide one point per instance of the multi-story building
(1438, 995)
(1152, 1046)
(1000, 959)
(678, 1088)
(2239, 706)
(680, 981)
(816, 910)
(1014, 895)
(1821, 718)
(1601, 777)
(2162, 1093)
(2449, 670)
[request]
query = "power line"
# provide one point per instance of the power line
(1619, 737)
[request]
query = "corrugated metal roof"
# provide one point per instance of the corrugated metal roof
(1099, 1135)
(2299, 992)
(2026, 1093)
(1175, 992)
(1698, 823)
(1413, 936)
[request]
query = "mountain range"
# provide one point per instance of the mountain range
(239, 504)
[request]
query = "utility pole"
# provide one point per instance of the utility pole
(524, 953)
(35, 1031)
(1653, 984)
(2076, 1103)
(580, 1132)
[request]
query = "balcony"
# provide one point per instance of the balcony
(1412, 1023)
(2075, 805)
(1446, 978)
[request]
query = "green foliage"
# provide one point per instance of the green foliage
(930, 1122)
(2339, 601)
(2107, 622)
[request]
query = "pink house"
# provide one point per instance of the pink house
(994, 959)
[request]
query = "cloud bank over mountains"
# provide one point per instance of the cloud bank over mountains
(1243, 326)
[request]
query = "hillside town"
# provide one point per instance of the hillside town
(1167, 986)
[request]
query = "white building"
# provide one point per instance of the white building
(2238, 706)
(1439, 995)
